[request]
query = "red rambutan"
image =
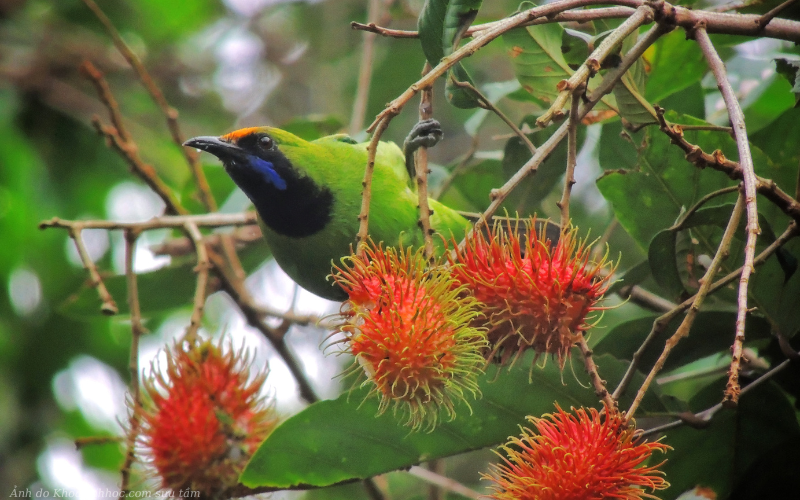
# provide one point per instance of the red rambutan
(533, 294)
(410, 329)
(203, 417)
(586, 456)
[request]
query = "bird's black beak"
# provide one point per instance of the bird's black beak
(216, 146)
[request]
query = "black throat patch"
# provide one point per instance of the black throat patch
(301, 209)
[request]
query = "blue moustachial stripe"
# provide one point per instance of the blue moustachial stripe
(267, 169)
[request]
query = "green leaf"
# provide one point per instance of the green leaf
(441, 25)
(313, 127)
(631, 103)
(343, 439)
(712, 332)
(535, 52)
(718, 456)
(775, 99)
(788, 69)
(663, 261)
(778, 297)
(675, 64)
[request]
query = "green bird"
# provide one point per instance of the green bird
(308, 195)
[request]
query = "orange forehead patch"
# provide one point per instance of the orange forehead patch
(238, 134)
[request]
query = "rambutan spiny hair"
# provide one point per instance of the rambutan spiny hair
(203, 416)
(586, 455)
(410, 328)
(534, 294)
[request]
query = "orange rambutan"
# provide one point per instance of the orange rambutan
(410, 329)
(203, 417)
(586, 456)
(534, 294)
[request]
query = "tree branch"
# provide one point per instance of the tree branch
(749, 177)
(699, 298)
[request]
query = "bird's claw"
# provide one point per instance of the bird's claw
(426, 133)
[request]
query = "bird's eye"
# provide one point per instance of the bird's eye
(266, 142)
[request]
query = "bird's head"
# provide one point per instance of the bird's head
(284, 194)
(251, 152)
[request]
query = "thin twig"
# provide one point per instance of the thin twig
(717, 161)
(133, 365)
(646, 299)
(444, 482)
(175, 221)
(448, 181)
(708, 414)
(598, 383)
(679, 225)
(83, 442)
(366, 184)
(750, 183)
(699, 298)
(486, 104)
(108, 306)
(661, 322)
(365, 70)
(572, 154)
(170, 113)
(770, 15)
(235, 288)
(591, 66)
(421, 166)
(202, 268)
(180, 246)
(435, 491)
(120, 139)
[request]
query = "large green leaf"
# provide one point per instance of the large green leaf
(629, 92)
(663, 79)
(441, 25)
(538, 62)
(789, 69)
(718, 456)
(343, 439)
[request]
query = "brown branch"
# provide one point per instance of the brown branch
(137, 330)
(590, 67)
(118, 138)
(181, 246)
(572, 153)
(598, 383)
(708, 414)
(421, 165)
(170, 113)
(175, 222)
(481, 39)
(646, 299)
(661, 322)
(366, 184)
(699, 298)
(749, 178)
(202, 268)
(235, 288)
(108, 306)
(717, 161)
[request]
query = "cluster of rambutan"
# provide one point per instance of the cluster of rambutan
(422, 332)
